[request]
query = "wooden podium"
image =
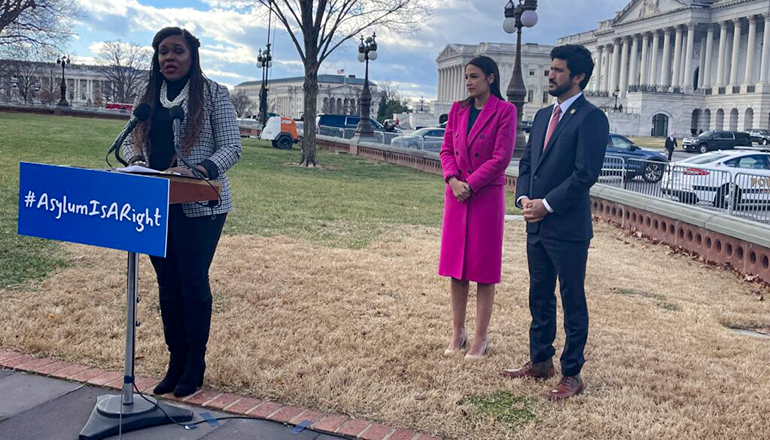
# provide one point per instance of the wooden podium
(130, 411)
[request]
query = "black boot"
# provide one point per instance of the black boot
(197, 323)
(174, 331)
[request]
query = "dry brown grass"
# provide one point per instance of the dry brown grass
(362, 332)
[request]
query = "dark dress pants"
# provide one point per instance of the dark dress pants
(183, 280)
(548, 259)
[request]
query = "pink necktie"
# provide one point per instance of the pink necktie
(552, 125)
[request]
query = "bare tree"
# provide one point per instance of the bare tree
(318, 27)
(27, 78)
(241, 102)
(26, 66)
(37, 23)
(124, 66)
(49, 85)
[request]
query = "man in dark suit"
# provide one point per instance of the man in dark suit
(670, 145)
(561, 162)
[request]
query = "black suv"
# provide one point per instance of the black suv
(760, 136)
(344, 121)
(717, 140)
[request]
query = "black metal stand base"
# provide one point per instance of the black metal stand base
(106, 419)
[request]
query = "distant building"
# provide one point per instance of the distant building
(337, 94)
(86, 85)
(535, 65)
(682, 66)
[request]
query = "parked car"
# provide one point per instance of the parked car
(344, 121)
(759, 136)
(649, 164)
(716, 140)
(526, 126)
(718, 177)
(429, 139)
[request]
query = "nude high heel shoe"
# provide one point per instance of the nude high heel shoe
(449, 352)
(477, 357)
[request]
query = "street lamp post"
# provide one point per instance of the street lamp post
(265, 61)
(63, 60)
(516, 17)
(615, 95)
(367, 50)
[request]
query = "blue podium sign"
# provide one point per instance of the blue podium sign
(100, 208)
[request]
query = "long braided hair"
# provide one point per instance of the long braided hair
(195, 107)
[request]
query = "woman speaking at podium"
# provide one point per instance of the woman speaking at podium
(211, 142)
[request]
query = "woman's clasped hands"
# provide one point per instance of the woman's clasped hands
(461, 190)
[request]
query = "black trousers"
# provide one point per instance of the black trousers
(183, 279)
(548, 259)
(670, 153)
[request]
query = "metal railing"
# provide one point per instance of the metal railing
(743, 194)
(749, 197)
(380, 137)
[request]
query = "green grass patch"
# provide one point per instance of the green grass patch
(660, 299)
(503, 407)
(347, 202)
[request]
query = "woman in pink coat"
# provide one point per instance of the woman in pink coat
(478, 145)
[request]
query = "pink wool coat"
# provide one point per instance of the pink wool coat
(472, 231)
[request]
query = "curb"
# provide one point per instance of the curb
(212, 399)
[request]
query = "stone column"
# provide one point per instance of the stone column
(749, 78)
(643, 74)
(633, 56)
(665, 72)
(687, 80)
(443, 85)
(736, 52)
(598, 69)
(677, 57)
(460, 82)
(606, 73)
(654, 62)
(455, 83)
(706, 70)
(623, 83)
(765, 75)
(614, 84)
(722, 51)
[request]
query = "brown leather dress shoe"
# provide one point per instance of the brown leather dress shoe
(540, 370)
(568, 387)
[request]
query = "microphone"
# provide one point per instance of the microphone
(141, 113)
(177, 115)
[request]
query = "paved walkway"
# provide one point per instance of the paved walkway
(34, 407)
(48, 399)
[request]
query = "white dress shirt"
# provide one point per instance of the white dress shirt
(564, 107)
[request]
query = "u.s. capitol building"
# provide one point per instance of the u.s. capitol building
(661, 66)
(682, 66)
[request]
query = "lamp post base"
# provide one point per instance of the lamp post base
(521, 144)
(106, 419)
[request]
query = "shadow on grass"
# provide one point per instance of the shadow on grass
(502, 407)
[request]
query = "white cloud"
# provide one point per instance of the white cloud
(222, 74)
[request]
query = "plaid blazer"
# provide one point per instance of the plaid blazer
(219, 141)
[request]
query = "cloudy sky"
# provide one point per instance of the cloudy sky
(231, 36)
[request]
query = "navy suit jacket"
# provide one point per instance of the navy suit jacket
(564, 172)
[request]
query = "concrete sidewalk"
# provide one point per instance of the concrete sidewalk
(34, 407)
